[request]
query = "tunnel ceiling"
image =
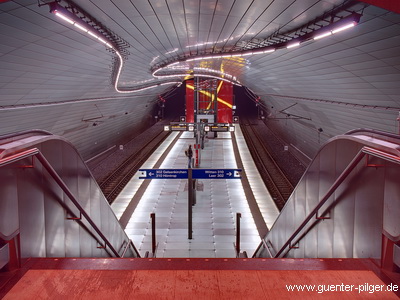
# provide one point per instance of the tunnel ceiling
(311, 92)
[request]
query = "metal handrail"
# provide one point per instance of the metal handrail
(35, 152)
(364, 150)
(25, 132)
(129, 244)
(263, 244)
(373, 131)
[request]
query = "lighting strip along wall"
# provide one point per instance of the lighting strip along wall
(224, 76)
(138, 89)
(332, 28)
(198, 72)
(72, 19)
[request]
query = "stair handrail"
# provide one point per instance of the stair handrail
(373, 131)
(129, 244)
(363, 151)
(53, 173)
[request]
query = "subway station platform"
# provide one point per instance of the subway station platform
(218, 201)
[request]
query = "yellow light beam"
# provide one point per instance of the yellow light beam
(212, 98)
(209, 95)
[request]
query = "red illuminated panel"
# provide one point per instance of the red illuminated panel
(189, 101)
(225, 102)
(206, 101)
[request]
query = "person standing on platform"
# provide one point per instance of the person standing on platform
(189, 154)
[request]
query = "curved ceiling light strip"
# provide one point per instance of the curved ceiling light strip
(217, 77)
(195, 72)
(331, 29)
(125, 91)
(192, 73)
(73, 20)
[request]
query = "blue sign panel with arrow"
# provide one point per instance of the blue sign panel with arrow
(163, 173)
(183, 173)
(216, 173)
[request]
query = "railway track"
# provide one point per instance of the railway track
(275, 180)
(113, 184)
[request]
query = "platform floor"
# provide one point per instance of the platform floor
(214, 215)
(197, 284)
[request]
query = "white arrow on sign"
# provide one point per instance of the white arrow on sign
(151, 174)
(229, 173)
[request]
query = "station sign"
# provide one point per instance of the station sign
(183, 173)
(163, 173)
(216, 173)
(219, 128)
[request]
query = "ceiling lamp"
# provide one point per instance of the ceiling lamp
(344, 27)
(322, 35)
(292, 45)
(72, 19)
(288, 43)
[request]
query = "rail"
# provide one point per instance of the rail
(276, 181)
(34, 152)
(116, 181)
(363, 151)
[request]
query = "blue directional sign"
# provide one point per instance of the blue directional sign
(183, 173)
(163, 173)
(216, 173)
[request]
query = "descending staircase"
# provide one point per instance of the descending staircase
(346, 205)
(50, 205)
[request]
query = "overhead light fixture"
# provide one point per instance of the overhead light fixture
(69, 17)
(336, 29)
(172, 51)
(323, 31)
(270, 50)
(219, 78)
(322, 35)
(344, 27)
(60, 15)
(292, 45)
(80, 27)
(196, 72)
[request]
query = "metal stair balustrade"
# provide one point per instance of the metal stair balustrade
(314, 213)
(36, 153)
